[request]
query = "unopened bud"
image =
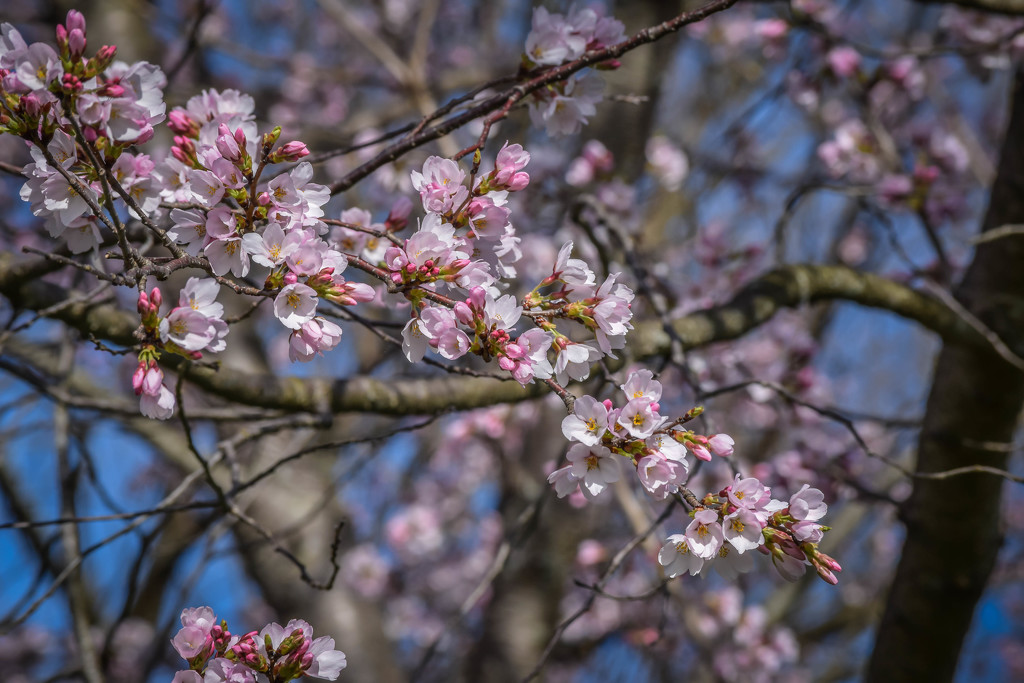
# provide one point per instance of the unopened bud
(293, 151)
(75, 20)
(76, 43)
(463, 313)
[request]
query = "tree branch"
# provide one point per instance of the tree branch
(786, 287)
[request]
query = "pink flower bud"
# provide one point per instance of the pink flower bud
(721, 444)
(180, 122)
(140, 373)
(290, 278)
(156, 298)
(76, 43)
(700, 451)
(31, 104)
(75, 21)
(293, 151)
(399, 215)
(518, 182)
(825, 574)
(463, 313)
(506, 363)
(143, 305)
(152, 380)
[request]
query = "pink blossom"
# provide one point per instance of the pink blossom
(668, 162)
(189, 229)
(366, 570)
(565, 114)
(659, 475)
(748, 493)
(844, 60)
(508, 166)
(502, 313)
(414, 340)
(327, 662)
(307, 258)
(440, 185)
(313, 338)
(487, 219)
(704, 534)
(594, 466)
(677, 557)
(194, 636)
(295, 305)
(415, 530)
(272, 247)
(640, 418)
(742, 529)
(807, 504)
(552, 39)
(564, 481)
(187, 329)
(222, 670)
(574, 360)
(641, 384)
(668, 447)
(588, 422)
(159, 406)
(730, 563)
(571, 271)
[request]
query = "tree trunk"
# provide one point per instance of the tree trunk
(953, 530)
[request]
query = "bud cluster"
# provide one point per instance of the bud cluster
(276, 653)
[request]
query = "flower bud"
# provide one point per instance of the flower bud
(182, 124)
(76, 43)
(140, 373)
(463, 313)
(75, 21)
(518, 182)
(293, 151)
(104, 56)
(398, 218)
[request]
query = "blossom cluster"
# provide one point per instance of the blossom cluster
(195, 325)
(744, 517)
(275, 654)
(463, 222)
(635, 432)
(79, 112)
(562, 108)
(741, 518)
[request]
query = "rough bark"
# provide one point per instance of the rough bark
(953, 534)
